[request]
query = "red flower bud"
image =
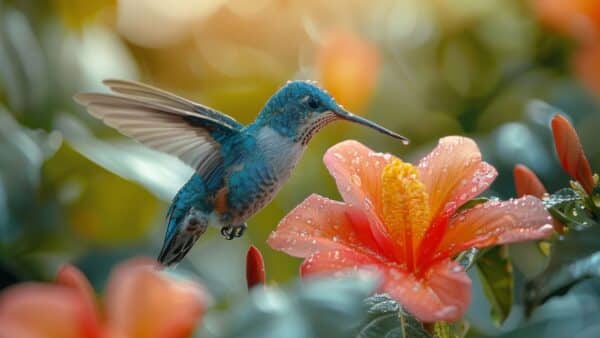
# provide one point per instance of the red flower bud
(255, 267)
(527, 183)
(570, 153)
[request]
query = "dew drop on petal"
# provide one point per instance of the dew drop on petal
(356, 180)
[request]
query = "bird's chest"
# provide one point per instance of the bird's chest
(266, 167)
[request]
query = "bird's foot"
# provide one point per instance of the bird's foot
(233, 231)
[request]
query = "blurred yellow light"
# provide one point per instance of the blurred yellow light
(158, 23)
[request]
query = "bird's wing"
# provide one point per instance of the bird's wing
(148, 92)
(164, 122)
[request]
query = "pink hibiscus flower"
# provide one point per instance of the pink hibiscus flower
(140, 302)
(403, 221)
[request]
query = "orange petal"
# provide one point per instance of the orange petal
(496, 222)
(317, 224)
(143, 302)
(527, 183)
(357, 173)
(571, 154)
(255, 267)
(45, 310)
(337, 262)
(70, 276)
(443, 295)
(453, 173)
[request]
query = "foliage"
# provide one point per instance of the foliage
(575, 255)
(387, 319)
(312, 309)
(72, 190)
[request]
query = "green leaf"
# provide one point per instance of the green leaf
(387, 319)
(574, 256)
(495, 271)
(473, 202)
(450, 330)
(309, 309)
(575, 314)
(568, 207)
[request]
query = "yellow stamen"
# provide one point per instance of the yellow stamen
(406, 211)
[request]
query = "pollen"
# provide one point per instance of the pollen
(406, 211)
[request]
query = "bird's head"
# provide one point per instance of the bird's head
(300, 109)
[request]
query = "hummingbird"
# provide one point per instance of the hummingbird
(238, 169)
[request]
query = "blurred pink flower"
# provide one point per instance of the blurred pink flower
(403, 220)
(140, 302)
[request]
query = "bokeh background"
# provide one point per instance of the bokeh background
(73, 190)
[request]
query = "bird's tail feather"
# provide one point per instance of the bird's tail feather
(175, 248)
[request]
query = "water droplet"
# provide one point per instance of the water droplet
(356, 179)
(368, 204)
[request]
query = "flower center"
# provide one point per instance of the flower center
(406, 211)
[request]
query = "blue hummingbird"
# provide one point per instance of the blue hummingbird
(238, 169)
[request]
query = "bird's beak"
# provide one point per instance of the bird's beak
(346, 115)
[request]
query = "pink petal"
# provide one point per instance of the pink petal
(496, 222)
(68, 275)
(317, 224)
(45, 310)
(357, 172)
(453, 173)
(337, 262)
(442, 295)
(142, 302)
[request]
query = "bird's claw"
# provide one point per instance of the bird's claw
(230, 232)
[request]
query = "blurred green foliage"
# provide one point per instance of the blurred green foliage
(72, 189)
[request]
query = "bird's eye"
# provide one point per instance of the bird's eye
(313, 103)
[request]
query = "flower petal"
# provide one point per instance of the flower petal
(142, 302)
(453, 173)
(357, 172)
(496, 222)
(318, 224)
(571, 154)
(527, 182)
(68, 275)
(337, 262)
(45, 310)
(443, 295)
